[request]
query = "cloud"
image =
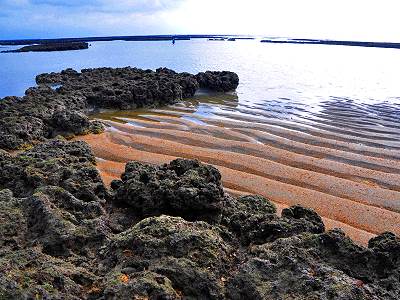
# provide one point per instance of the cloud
(341, 19)
(60, 18)
(128, 6)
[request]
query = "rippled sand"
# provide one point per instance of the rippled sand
(338, 162)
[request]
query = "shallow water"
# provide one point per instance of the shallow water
(311, 124)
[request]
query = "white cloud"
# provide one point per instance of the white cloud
(340, 19)
(350, 19)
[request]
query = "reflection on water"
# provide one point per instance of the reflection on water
(204, 104)
(375, 124)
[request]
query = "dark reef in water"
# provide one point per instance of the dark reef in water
(136, 38)
(48, 47)
(45, 113)
(161, 232)
(333, 42)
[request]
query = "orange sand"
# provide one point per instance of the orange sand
(352, 186)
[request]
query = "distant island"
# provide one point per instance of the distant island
(47, 47)
(137, 38)
(333, 42)
(211, 37)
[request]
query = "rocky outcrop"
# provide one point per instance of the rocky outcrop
(193, 256)
(161, 232)
(182, 188)
(218, 81)
(45, 112)
(130, 88)
(40, 115)
(55, 163)
(64, 236)
(49, 47)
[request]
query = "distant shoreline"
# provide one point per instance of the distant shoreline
(115, 38)
(140, 38)
(47, 47)
(334, 42)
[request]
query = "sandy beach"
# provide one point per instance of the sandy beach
(352, 186)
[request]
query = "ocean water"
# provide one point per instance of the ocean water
(317, 125)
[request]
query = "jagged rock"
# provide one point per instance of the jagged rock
(130, 88)
(60, 240)
(298, 212)
(62, 224)
(26, 272)
(67, 123)
(218, 81)
(248, 205)
(56, 163)
(193, 256)
(183, 188)
(12, 223)
(45, 112)
(310, 266)
(253, 219)
(143, 285)
(30, 274)
(41, 114)
(18, 132)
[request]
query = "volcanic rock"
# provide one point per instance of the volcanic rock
(55, 163)
(218, 81)
(45, 112)
(58, 237)
(184, 188)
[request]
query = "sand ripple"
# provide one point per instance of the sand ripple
(343, 161)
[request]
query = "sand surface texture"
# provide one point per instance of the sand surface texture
(344, 168)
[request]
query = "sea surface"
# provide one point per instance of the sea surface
(317, 125)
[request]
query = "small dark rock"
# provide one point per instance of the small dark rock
(218, 81)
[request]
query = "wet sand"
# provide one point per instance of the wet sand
(349, 175)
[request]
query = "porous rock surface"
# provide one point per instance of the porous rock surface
(46, 112)
(63, 235)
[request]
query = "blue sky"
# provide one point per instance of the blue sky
(336, 19)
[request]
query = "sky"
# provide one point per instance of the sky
(373, 20)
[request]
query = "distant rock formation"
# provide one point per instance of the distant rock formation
(48, 47)
(333, 42)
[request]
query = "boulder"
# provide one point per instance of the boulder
(218, 81)
(191, 256)
(69, 165)
(184, 188)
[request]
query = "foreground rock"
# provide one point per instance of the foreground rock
(56, 163)
(45, 112)
(48, 47)
(183, 188)
(168, 232)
